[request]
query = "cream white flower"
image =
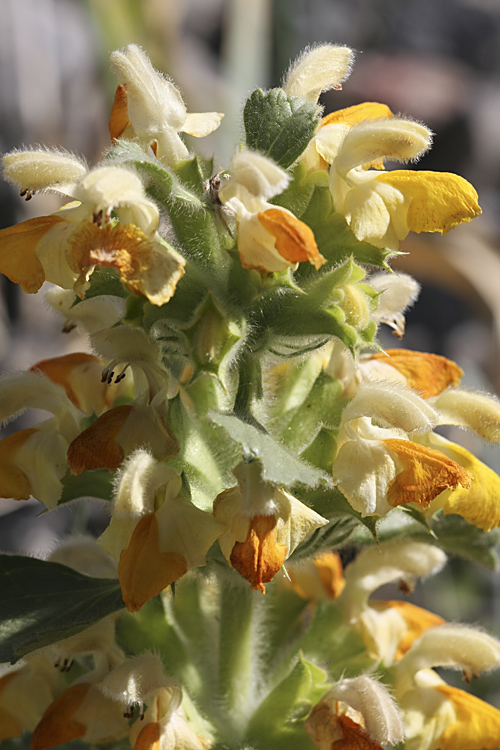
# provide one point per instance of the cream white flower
(355, 711)
(154, 107)
(270, 238)
(155, 534)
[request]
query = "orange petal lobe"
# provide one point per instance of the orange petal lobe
(123, 247)
(118, 120)
(426, 473)
(97, 446)
(259, 558)
(59, 369)
(58, 724)
(18, 252)
(329, 730)
(295, 241)
(355, 738)
(13, 482)
(144, 570)
(149, 737)
(430, 374)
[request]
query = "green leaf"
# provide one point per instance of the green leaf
(457, 537)
(279, 466)
(291, 701)
(93, 483)
(279, 126)
(322, 407)
(43, 602)
(206, 457)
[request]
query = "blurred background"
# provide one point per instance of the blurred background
(438, 62)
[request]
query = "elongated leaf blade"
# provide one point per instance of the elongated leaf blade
(43, 602)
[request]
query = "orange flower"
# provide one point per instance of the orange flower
(264, 524)
(270, 238)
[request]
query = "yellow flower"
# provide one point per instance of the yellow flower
(264, 524)
(270, 238)
(80, 712)
(378, 468)
(382, 207)
(389, 628)
(479, 503)
(436, 715)
(144, 422)
(155, 534)
(33, 460)
(65, 248)
(80, 374)
(150, 108)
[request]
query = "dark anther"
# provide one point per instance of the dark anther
(120, 377)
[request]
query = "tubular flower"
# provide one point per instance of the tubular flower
(155, 534)
(270, 238)
(264, 525)
(382, 207)
(333, 128)
(389, 628)
(142, 423)
(142, 680)
(80, 374)
(26, 689)
(358, 713)
(435, 714)
(66, 247)
(398, 293)
(81, 712)
(318, 69)
(33, 460)
(92, 315)
(394, 469)
(149, 107)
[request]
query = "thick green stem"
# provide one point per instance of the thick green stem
(238, 668)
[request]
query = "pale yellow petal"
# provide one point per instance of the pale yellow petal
(394, 139)
(202, 123)
(318, 69)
